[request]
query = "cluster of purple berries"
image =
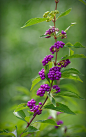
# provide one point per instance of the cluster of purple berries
(47, 59)
(42, 89)
(54, 73)
(34, 108)
(50, 31)
(63, 34)
(57, 88)
(56, 46)
(42, 74)
(63, 63)
(59, 123)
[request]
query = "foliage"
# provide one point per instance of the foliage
(37, 128)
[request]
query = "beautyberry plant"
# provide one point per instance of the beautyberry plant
(50, 92)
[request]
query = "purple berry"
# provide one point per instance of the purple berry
(59, 123)
(56, 46)
(47, 59)
(54, 73)
(63, 63)
(63, 34)
(57, 88)
(42, 74)
(42, 89)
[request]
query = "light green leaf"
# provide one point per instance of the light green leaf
(7, 134)
(69, 94)
(21, 107)
(52, 99)
(23, 90)
(71, 52)
(50, 121)
(64, 13)
(71, 76)
(51, 64)
(82, 2)
(30, 113)
(71, 71)
(29, 130)
(35, 81)
(74, 56)
(20, 114)
(33, 21)
(72, 24)
(27, 118)
(59, 107)
(76, 45)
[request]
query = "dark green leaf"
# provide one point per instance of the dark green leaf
(50, 121)
(20, 114)
(52, 99)
(69, 94)
(71, 71)
(35, 81)
(59, 107)
(46, 72)
(21, 107)
(34, 21)
(71, 76)
(74, 56)
(23, 90)
(64, 13)
(82, 2)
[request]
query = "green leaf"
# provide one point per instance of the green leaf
(71, 52)
(27, 118)
(7, 134)
(23, 90)
(29, 130)
(59, 107)
(21, 106)
(43, 36)
(46, 72)
(50, 121)
(74, 56)
(71, 76)
(71, 71)
(35, 81)
(64, 13)
(76, 45)
(33, 21)
(20, 114)
(52, 99)
(69, 94)
(51, 64)
(72, 24)
(30, 113)
(82, 2)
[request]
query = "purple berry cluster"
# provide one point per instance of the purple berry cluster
(56, 46)
(47, 59)
(42, 74)
(42, 89)
(63, 34)
(59, 123)
(57, 88)
(54, 73)
(50, 31)
(63, 63)
(34, 108)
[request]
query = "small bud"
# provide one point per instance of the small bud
(45, 14)
(56, 1)
(56, 11)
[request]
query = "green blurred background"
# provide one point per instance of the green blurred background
(22, 50)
